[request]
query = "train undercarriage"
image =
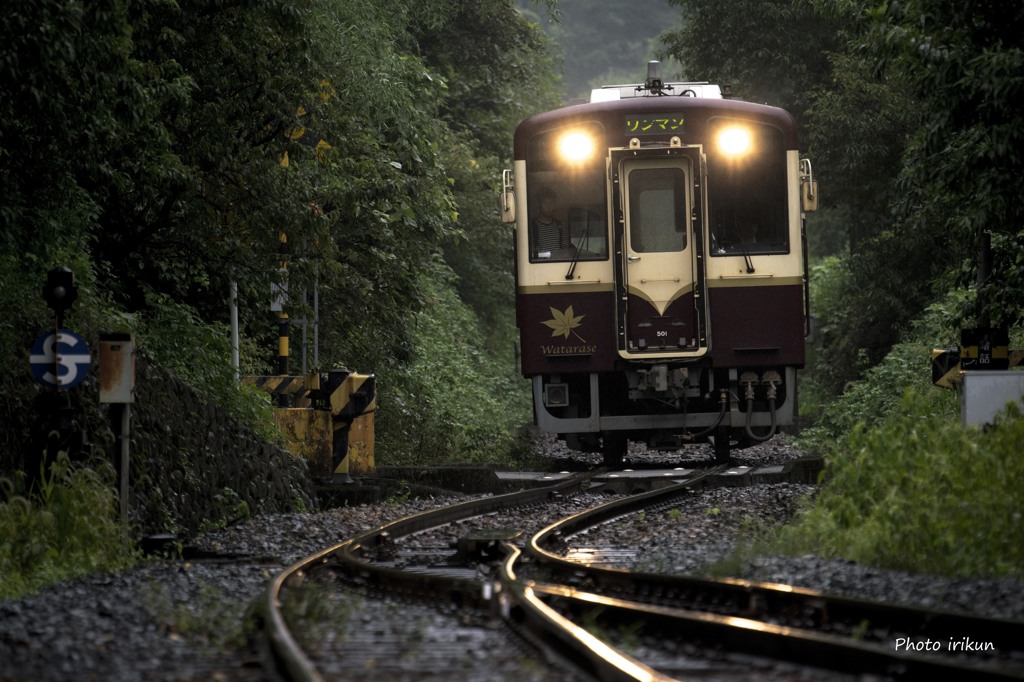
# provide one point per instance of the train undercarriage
(665, 406)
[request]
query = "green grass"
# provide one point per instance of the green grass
(66, 528)
(919, 492)
(906, 486)
(211, 617)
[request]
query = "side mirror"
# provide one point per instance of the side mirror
(809, 196)
(808, 188)
(507, 203)
(508, 206)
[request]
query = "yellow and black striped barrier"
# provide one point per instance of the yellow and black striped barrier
(330, 423)
(353, 401)
(947, 371)
(949, 364)
(945, 366)
(297, 387)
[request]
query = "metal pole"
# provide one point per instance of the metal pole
(125, 431)
(305, 333)
(234, 327)
(983, 319)
(282, 343)
(316, 319)
(282, 319)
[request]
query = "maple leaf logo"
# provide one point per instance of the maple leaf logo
(562, 324)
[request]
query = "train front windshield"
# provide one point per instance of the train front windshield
(747, 197)
(567, 201)
(746, 190)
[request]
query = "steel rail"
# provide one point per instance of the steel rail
(759, 599)
(772, 641)
(524, 604)
(521, 605)
(754, 601)
(285, 653)
(620, 507)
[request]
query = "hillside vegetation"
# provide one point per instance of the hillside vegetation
(909, 119)
(348, 150)
(351, 149)
(907, 486)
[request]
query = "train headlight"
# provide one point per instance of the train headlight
(576, 146)
(734, 141)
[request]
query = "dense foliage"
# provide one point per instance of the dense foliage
(965, 64)
(910, 119)
(947, 501)
(69, 527)
(165, 150)
(911, 124)
(774, 52)
(907, 486)
(603, 42)
(346, 148)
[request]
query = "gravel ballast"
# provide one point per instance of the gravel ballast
(180, 619)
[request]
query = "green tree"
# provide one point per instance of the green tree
(919, 140)
(497, 69)
(69, 96)
(146, 141)
(774, 52)
(602, 42)
(965, 63)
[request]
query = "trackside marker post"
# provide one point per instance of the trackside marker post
(60, 359)
(117, 387)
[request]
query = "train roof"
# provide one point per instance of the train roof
(609, 93)
(696, 107)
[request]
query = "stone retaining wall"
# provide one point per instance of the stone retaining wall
(192, 464)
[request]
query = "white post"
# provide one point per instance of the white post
(125, 437)
(316, 319)
(234, 327)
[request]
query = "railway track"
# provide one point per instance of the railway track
(501, 572)
(778, 621)
(352, 561)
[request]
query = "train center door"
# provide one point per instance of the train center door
(661, 287)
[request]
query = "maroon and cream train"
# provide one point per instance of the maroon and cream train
(661, 274)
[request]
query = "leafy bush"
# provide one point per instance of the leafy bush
(69, 527)
(906, 486)
(919, 492)
(454, 402)
(211, 616)
(878, 394)
(199, 353)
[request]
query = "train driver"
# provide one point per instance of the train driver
(549, 235)
(748, 229)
